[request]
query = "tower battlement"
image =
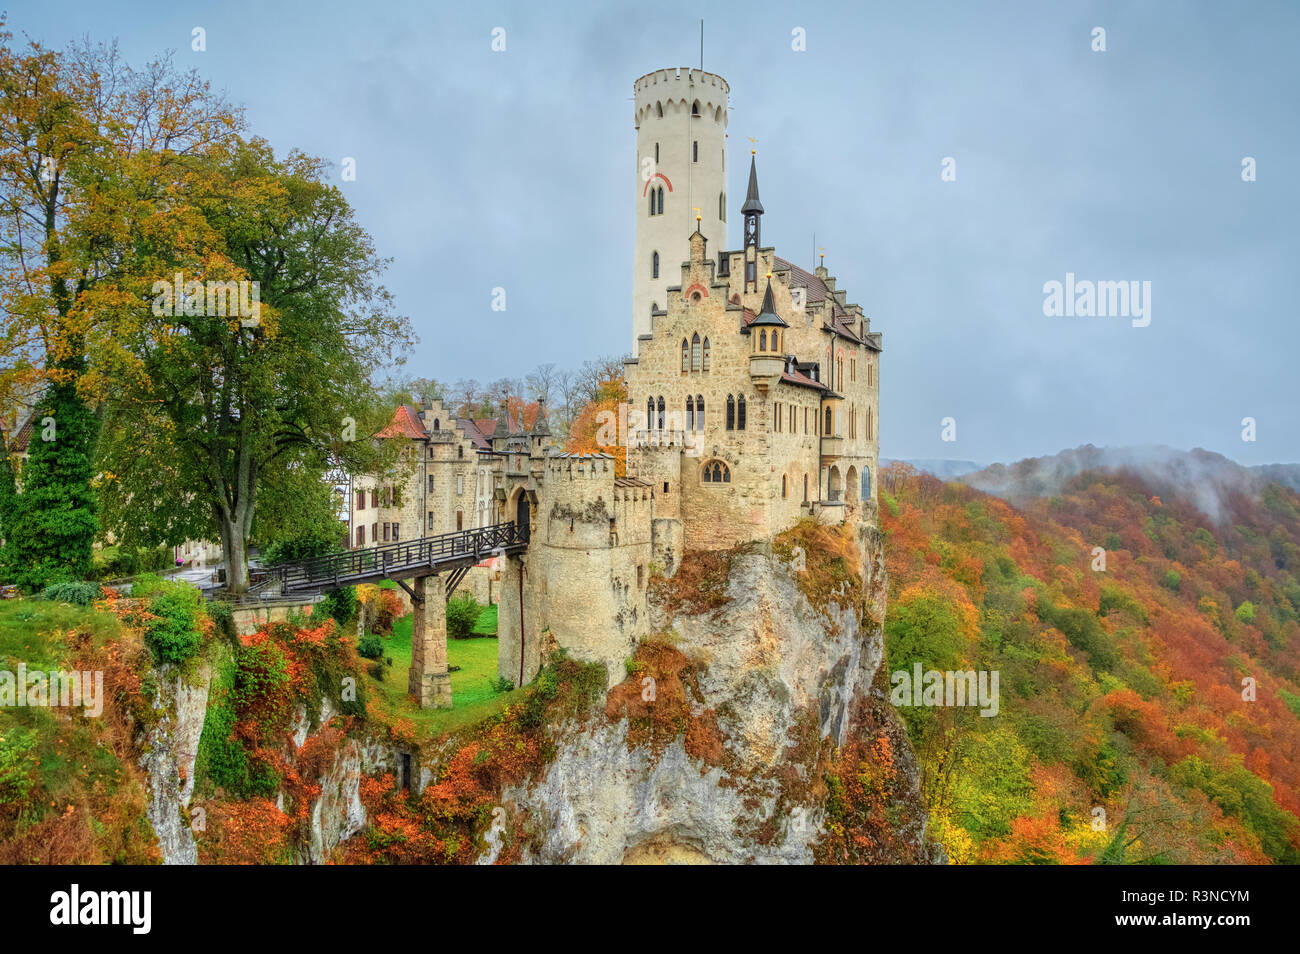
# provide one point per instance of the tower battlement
(678, 89)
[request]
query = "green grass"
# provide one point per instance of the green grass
(32, 631)
(69, 753)
(487, 622)
(473, 698)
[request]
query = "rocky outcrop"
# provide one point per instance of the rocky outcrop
(771, 680)
(337, 813)
(169, 750)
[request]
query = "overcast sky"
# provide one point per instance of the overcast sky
(478, 169)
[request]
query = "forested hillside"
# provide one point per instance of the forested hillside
(1163, 690)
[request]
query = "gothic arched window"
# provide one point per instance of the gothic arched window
(731, 413)
(654, 265)
(696, 362)
(740, 413)
(699, 412)
(722, 206)
(762, 340)
(690, 413)
(686, 355)
(695, 108)
(715, 472)
(660, 210)
(649, 413)
(661, 412)
(652, 201)
(826, 430)
(705, 364)
(695, 151)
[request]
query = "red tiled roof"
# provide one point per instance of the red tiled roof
(487, 426)
(24, 435)
(748, 315)
(801, 380)
(405, 423)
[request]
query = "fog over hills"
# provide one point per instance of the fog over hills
(942, 468)
(1200, 476)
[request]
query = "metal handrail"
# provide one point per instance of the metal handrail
(398, 557)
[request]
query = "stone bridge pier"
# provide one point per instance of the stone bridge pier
(429, 682)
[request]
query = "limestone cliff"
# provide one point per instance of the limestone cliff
(723, 744)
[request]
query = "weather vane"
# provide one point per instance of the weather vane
(752, 150)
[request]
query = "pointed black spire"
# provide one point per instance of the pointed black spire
(752, 205)
(768, 315)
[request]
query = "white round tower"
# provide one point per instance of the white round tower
(681, 166)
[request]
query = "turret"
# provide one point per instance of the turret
(681, 171)
(767, 336)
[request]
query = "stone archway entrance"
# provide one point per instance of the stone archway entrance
(851, 484)
(834, 486)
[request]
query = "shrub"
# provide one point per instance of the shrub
(383, 606)
(462, 613)
(78, 592)
(339, 605)
(502, 684)
(19, 764)
(1246, 612)
(173, 637)
(223, 615)
(1172, 580)
(148, 585)
(370, 646)
(114, 562)
(301, 548)
(261, 689)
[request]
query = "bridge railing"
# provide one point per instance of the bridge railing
(397, 557)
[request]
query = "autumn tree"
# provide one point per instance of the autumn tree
(214, 413)
(599, 425)
(93, 157)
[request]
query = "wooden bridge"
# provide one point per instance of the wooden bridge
(434, 566)
(455, 552)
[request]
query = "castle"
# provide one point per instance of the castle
(753, 392)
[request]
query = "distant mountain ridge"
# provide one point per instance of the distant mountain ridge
(1202, 477)
(941, 467)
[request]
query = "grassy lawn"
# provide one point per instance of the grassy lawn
(487, 622)
(473, 697)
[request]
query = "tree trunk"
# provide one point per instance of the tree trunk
(234, 546)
